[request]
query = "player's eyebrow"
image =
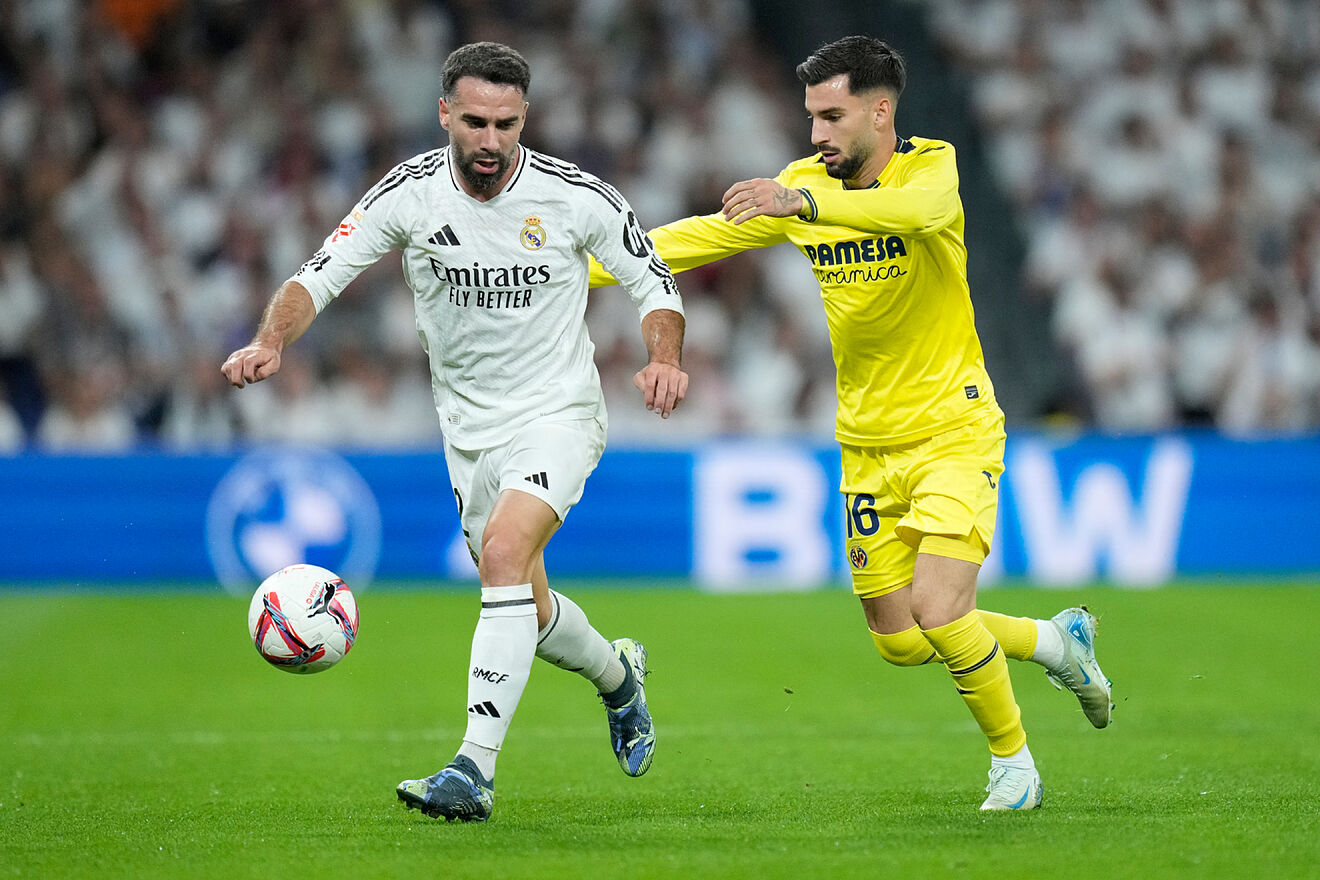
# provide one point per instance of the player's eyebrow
(474, 119)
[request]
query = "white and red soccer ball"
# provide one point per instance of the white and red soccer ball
(303, 619)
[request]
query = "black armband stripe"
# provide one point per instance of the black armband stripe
(811, 203)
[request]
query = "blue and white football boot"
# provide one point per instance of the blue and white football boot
(632, 735)
(457, 792)
(1079, 672)
(1013, 788)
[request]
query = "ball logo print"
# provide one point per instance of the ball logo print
(303, 619)
(278, 507)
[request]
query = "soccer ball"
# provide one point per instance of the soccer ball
(303, 619)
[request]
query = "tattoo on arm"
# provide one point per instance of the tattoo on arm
(787, 201)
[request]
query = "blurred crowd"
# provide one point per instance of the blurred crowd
(166, 164)
(1163, 157)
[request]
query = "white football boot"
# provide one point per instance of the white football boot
(1079, 672)
(1013, 788)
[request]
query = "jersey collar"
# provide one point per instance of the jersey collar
(901, 145)
(451, 161)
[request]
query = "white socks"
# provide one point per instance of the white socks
(503, 647)
(1049, 645)
(570, 642)
(1021, 759)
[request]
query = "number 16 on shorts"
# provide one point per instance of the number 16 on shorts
(862, 520)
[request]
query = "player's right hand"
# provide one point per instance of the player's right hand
(252, 363)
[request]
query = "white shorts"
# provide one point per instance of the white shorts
(550, 459)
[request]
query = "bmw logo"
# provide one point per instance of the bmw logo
(276, 507)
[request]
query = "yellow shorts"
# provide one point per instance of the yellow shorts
(938, 496)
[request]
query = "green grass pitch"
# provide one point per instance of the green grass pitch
(141, 736)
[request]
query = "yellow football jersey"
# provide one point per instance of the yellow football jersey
(892, 269)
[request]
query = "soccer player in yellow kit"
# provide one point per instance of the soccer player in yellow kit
(922, 437)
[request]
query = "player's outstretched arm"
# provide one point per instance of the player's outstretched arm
(662, 382)
(288, 315)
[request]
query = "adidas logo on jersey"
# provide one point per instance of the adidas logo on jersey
(539, 479)
(443, 235)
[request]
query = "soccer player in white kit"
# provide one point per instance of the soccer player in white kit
(495, 240)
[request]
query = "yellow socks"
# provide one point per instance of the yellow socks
(979, 670)
(906, 648)
(1016, 635)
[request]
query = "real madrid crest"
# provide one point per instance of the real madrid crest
(533, 234)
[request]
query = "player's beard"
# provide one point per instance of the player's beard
(482, 181)
(848, 165)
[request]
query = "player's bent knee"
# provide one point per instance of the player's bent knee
(504, 561)
(906, 648)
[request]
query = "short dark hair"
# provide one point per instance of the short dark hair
(869, 62)
(493, 62)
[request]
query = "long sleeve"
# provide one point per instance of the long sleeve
(695, 241)
(921, 204)
(616, 240)
(370, 231)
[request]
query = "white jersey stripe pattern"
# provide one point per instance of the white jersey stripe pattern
(424, 166)
(500, 287)
(574, 176)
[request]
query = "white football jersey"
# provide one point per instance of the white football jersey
(500, 287)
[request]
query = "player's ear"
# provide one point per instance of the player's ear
(444, 114)
(883, 111)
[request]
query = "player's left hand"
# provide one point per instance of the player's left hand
(663, 387)
(760, 197)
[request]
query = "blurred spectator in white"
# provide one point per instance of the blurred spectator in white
(1206, 330)
(1193, 142)
(1132, 166)
(1192, 168)
(1165, 274)
(297, 410)
(405, 42)
(198, 411)
(165, 164)
(22, 300)
(1123, 355)
(769, 379)
(1076, 39)
(1043, 173)
(378, 405)
(744, 99)
(1072, 246)
(87, 413)
(1233, 88)
(1142, 87)
(1015, 104)
(1274, 380)
(980, 34)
